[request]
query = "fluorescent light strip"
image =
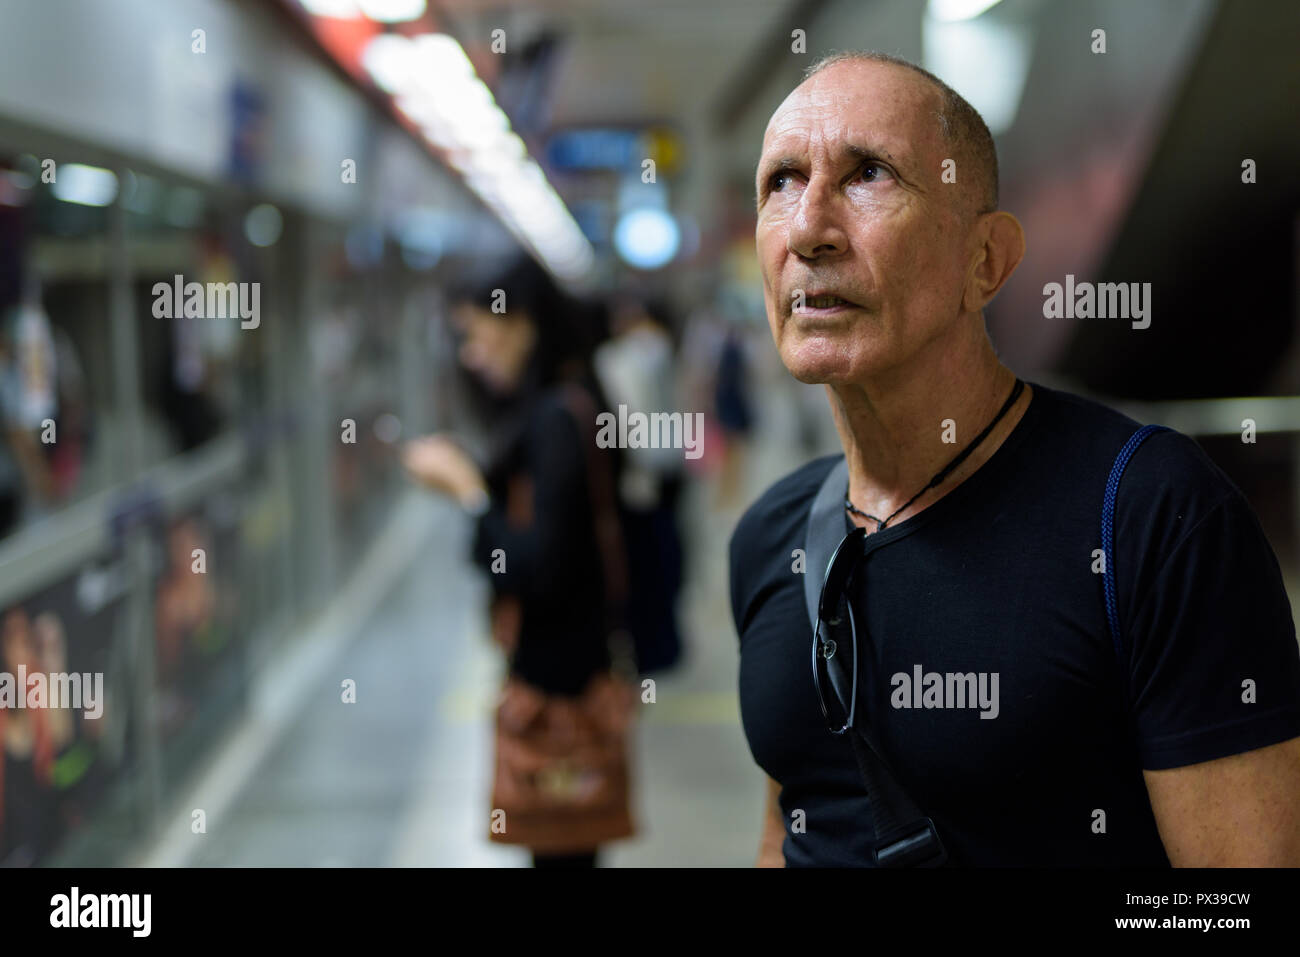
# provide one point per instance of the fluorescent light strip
(84, 185)
(334, 9)
(392, 11)
(435, 86)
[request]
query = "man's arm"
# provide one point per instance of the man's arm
(1238, 811)
(769, 849)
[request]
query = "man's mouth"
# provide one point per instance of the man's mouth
(823, 303)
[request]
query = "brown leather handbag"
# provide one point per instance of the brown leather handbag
(561, 781)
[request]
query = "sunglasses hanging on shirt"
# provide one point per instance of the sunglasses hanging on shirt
(905, 836)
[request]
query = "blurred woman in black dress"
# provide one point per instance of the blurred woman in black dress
(548, 535)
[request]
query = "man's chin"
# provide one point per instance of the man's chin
(820, 361)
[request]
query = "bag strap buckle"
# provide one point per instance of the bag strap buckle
(915, 844)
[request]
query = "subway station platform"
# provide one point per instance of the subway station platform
(402, 776)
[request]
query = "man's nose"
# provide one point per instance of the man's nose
(815, 230)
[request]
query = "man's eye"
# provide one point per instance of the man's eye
(777, 181)
(871, 172)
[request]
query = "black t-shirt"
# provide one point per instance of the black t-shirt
(551, 561)
(996, 578)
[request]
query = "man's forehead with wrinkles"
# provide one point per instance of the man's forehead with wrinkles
(874, 106)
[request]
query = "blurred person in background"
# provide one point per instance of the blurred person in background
(67, 456)
(636, 368)
(27, 400)
(549, 537)
(734, 408)
(199, 358)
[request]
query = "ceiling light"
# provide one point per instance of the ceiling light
(959, 53)
(392, 11)
(84, 185)
(387, 58)
(336, 9)
(442, 57)
(950, 11)
(647, 238)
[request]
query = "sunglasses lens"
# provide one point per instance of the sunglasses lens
(835, 641)
(833, 658)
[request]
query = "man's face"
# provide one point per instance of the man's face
(851, 204)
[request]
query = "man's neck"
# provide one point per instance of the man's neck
(900, 428)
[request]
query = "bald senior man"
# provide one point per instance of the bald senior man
(967, 617)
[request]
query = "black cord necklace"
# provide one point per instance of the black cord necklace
(947, 469)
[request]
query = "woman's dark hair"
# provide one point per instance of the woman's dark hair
(565, 337)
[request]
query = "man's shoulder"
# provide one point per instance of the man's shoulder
(1166, 460)
(1169, 483)
(783, 506)
(1091, 428)
(767, 534)
(1171, 487)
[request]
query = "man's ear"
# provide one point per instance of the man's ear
(1002, 246)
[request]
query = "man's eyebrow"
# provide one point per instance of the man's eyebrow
(869, 152)
(854, 150)
(766, 166)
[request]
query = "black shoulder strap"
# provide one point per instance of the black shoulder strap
(825, 529)
(905, 837)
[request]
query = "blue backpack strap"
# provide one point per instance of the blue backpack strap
(1108, 537)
